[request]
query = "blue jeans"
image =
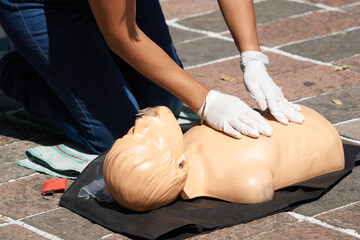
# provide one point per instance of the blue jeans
(64, 71)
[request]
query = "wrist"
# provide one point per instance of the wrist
(249, 56)
(202, 111)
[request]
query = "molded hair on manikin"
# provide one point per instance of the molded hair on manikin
(149, 111)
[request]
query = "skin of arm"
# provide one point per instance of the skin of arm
(117, 22)
(239, 16)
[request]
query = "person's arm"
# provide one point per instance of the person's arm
(240, 18)
(117, 22)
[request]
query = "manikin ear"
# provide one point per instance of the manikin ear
(182, 164)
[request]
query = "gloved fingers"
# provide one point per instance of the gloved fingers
(253, 88)
(290, 113)
(256, 121)
(296, 107)
(245, 129)
(276, 111)
(232, 132)
(259, 98)
(261, 102)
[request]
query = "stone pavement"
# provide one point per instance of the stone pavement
(304, 39)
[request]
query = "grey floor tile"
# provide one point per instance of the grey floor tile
(10, 171)
(213, 22)
(329, 48)
(345, 192)
(179, 36)
(350, 130)
(265, 11)
(272, 10)
(10, 154)
(335, 113)
(205, 50)
(67, 225)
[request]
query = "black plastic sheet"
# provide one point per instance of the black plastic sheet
(182, 218)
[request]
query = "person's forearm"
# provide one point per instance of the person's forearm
(240, 18)
(149, 59)
(132, 45)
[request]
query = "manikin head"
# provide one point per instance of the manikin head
(146, 169)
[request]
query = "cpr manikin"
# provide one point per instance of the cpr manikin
(155, 163)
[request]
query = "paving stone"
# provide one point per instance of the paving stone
(280, 64)
(335, 113)
(314, 80)
(328, 49)
(23, 197)
(6, 140)
(115, 237)
(67, 225)
(9, 155)
(213, 22)
(353, 62)
(303, 230)
(209, 75)
(249, 229)
(205, 50)
(334, 2)
(273, 10)
(350, 130)
(309, 26)
(298, 79)
(8, 104)
(3, 219)
(181, 8)
(353, 9)
(345, 192)
(17, 232)
(265, 11)
(348, 217)
(179, 36)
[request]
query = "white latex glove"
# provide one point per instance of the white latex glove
(263, 89)
(231, 115)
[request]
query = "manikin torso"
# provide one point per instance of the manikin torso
(248, 170)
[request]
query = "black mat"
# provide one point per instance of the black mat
(186, 218)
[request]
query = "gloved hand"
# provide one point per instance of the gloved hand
(232, 116)
(264, 90)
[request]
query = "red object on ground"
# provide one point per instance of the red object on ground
(54, 185)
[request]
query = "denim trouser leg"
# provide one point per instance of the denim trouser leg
(73, 79)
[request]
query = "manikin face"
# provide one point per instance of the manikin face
(146, 169)
(159, 128)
